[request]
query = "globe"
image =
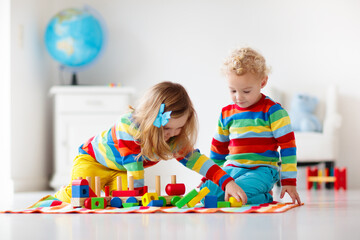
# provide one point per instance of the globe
(75, 38)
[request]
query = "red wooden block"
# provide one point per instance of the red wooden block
(91, 193)
(107, 192)
(175, 189)
(129, 193)
(80, 182)
(340, 178)
(142, 190)
(310, 173)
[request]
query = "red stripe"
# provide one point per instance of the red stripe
(87, 147)
(148, 163)
(131, 145)
(286, 138)
(251, 141)
(211, 173)
(219, 147)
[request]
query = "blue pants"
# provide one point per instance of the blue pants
(256, 183)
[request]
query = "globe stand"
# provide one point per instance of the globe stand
(74, 79)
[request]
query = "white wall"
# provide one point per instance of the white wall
(30, 106)
(6, 184)
(305, 42)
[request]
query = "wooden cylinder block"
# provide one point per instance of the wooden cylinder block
(175, 189)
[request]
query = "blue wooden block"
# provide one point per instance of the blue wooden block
(80, 191)
(210, 201)
(156, 203)
(116, 202)
(131, 200)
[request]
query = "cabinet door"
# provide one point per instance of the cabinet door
(73, 130)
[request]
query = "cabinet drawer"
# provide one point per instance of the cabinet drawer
(92, 103)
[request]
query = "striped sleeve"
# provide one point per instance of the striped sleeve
(206, 167)
(128, 151)
(219, 145)
(285, 137)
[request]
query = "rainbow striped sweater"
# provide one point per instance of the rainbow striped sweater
(117, 149)
(250, 137)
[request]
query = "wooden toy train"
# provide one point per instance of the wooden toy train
(84, 196)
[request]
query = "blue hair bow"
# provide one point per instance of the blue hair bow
(162, 118)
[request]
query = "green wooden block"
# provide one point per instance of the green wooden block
(164, 200)
(223, 204)
(126, 205)
(187, 198)
(174, 200)
(98, 203)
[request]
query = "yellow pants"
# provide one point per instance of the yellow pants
(86, 166)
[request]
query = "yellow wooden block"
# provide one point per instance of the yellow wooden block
(234, 202)
(203, 192)
(148, 197)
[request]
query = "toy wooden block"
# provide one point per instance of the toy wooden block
(78, 202)
(340, 175)
(80, 188)
(126, 205)
(116, 202)
(97, 186)
(95, 203)
(132, 200)
(315, 178)
(187, 198)
(148, 197)
(174, 200)
(175, 188)
(162, 199)
(234, 202)
(202, 193)
(131, 192)
(210, 201)
(223, 204)
(156, 203)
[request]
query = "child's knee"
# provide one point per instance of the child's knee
(64, 194)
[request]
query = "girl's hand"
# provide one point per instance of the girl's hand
(234, 190)
(291, 190)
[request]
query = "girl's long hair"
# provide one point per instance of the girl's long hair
(151, 138)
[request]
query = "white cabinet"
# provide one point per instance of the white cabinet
(81, 112)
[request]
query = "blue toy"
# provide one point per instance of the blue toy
(302, 114)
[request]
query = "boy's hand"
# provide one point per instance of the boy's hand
(234, 190)
(291, 190)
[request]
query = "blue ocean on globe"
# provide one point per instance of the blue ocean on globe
(74, 37)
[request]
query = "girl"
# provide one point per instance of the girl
(162, 127)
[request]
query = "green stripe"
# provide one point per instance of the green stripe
(219, 162)
(193, 159)
(134, 166)
(278, 115)
(249, 122)
(288, 159)
(252, 157)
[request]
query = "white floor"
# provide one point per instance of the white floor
(327, 214)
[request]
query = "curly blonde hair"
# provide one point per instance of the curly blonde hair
(151, 138)
(244, 60)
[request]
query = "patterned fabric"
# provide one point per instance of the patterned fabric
(250, 137)
(40, 207)
(117, 149)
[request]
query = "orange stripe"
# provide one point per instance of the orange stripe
(125, 151)
(251, 149)
(229, 113)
